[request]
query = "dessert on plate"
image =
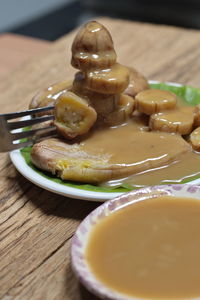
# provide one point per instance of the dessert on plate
(113, 127)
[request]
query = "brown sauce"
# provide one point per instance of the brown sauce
(171, 159)
(161, 157)
(150, 249)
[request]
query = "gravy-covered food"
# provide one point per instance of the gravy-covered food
(149, 249)
(114, 129)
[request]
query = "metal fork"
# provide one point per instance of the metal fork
(11, 136)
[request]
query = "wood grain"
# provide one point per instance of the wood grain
(36, 225)
(16, 49)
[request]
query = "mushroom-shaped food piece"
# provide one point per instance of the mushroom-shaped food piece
(101, 80)
(153, 101)
(137, 83)
(179, 120)
(194, 139)
(73, 115)
(93, 47)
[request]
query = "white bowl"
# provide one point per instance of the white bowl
(82, 235)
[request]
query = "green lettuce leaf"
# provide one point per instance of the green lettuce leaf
(189, 94)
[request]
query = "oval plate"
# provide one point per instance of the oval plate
(68, 191)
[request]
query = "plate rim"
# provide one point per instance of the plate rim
(67, 191)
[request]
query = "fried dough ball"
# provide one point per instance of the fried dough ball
(152, 101)
(73, 115)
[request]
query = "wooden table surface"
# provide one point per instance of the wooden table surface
(36, 225)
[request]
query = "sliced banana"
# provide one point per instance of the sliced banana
(137, 83)
(123, 110)
(113, 80)
(179, 120)
(152, 101)
(73, 115)
(194, 139)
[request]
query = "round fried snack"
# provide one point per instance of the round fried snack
(152, 101)
(195, 139)
(179, 120)
(73, 115)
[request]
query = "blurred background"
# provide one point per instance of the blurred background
(50, 19)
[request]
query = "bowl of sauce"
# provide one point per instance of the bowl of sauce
(142, 245)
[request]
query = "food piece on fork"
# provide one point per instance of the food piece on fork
(73, 115)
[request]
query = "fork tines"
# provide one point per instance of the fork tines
(11, 131)
(29, 112)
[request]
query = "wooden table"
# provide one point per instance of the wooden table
(36, 225)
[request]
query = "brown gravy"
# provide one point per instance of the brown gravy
(169, 157)
(150, 249)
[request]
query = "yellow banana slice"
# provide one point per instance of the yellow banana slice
(73, 115)
(195, 139)
(137, 83)
(113, 80)
(153, 101)
(179, 120)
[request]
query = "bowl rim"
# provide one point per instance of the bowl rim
(80, 239)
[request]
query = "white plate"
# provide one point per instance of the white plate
(20, 164)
